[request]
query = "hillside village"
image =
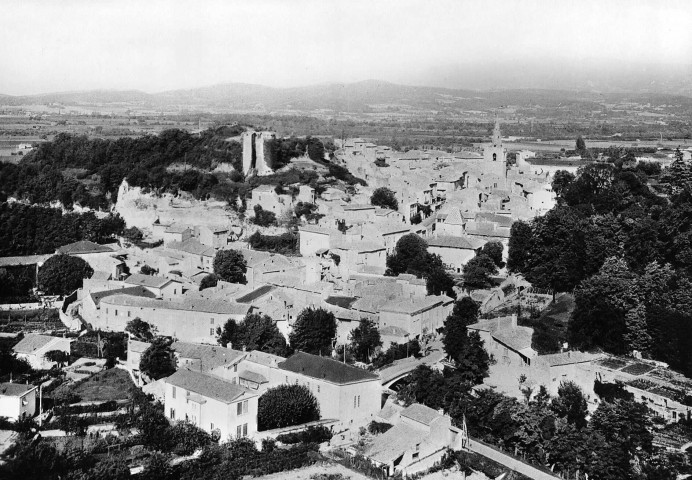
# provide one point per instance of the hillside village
(329, 249)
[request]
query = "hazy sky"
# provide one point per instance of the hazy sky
(152, 45)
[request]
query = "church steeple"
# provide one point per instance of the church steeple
(497, 136)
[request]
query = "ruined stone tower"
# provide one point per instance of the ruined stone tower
(257, 155)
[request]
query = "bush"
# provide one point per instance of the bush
(285, 244)
(378, 427)
(285, 406)
(63, 274)
(312, 434)
(264, 218)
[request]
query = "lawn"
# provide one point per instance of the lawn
(113, 384)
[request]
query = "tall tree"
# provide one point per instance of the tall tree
(519, 247)
(570, 404)
(157, 360)
(230, 266)
(314, 331)
(255, 332)
(365, 339)
(63, 274)
(477, 272)
(140, 329)
(494, 249)
(439, 282)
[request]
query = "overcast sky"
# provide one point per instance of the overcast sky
(151, 45)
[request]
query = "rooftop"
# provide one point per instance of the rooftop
(23, 260)
(84, 247)
(208, 386)
(464, 243)
(193, 246)
(15, 389)
(255, 294)
(187, 304)
(33, 342)
(136, 291)
(151, 281)
(395, 442)
(420, 413)
(323, 368)
(210, 356)
(412, 305)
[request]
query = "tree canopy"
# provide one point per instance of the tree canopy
(365, 339)
(230, 266)
(140, 329)
(385, 198)
(157, 360)
(477, 272)
(63, 274)
(314, 331)
(286, 405)
(255, 332)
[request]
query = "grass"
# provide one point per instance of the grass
(113, 384)
(637, 369)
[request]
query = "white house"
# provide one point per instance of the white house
(17, 400)
(455, 252)
(162, 287)
(33, 348)
(417, 315)
(212, 404)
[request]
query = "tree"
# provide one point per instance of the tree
(624, 422)
(455, 336)
(230, 266)
(140, 329)
(133, 234)
(423, 385)
(466, 309)
(255, 332)
(494, 250)
(264, 218)
(157, 360)
(580, 147)
(63, 274)
(561, 180)
(477, 272)
(158, 467)
(286, 405)
(208, 281)
(58, 356)
(314, 331)
(439, 282)
(365, 339)
(385, 198)
(411, 256)
(473, 361)
(519, 247)
(570, 404)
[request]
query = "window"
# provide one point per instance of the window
(211, 321)
(245, 430)
(242, 407)
(173, 392)
(235, 367)
(116, 312)
(358, 401)
(211, 332)
(318, 389)
(128, 313)
(211, 427)
(239, 431)
(354, 401)
(172, 414)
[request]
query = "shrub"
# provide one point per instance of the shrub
(287, 405)
(378, 427)
(312, 434)
(264, 218)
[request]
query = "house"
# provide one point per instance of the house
(212, 404)
(509, 343)
(216, 237)
(345, 393)
(266, 196)
(193, 254)
(416, 315)
(419, 439)
(315, 239)
(33, 348)
(135, 349)
(91, 303)
(455, 252)
(101, 258)
(202, 358)
(176, 233)
(162, 287)
(194, 319)
(17, 400)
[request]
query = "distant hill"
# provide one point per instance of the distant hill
(359, 96)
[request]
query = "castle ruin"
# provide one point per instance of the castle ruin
(257, 155)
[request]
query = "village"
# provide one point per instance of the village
(168, 294)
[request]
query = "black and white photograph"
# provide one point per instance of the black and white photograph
(345, 240)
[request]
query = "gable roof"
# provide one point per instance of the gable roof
(83, 247)
(323, 368)
(210, 356)
(413, 305)
(464, 243)
(192, 246)
(420, 413)
(33, 342)
(187, 304)
(23, 260)
(395, 442)
(151, 281)
(136, 291)
(15, 389)
(255, 294)
(454, 218)
(208, 386)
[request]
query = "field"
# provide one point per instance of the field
(113, 384)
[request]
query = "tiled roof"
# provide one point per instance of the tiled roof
(137, 291)
(454, 218)
(82, 247)
(208, 386)
(323, 368)
(352, 207)
(15, 389)
(23, 260)
(517, 338)
(464, 243)
(569, 358)
(370, 303)
(176, 229)
(340, 301)
(255, 294)
(316, 229)
(33, 342)
(492, 325)
(488, 231)
(501, 220)
(137, 347)
(210, 356)
(151, 281)
(101, 275)
(252, 376)
(192, 246)
(412, 306)
(395, 442)
(420, 413)
(187, 304)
